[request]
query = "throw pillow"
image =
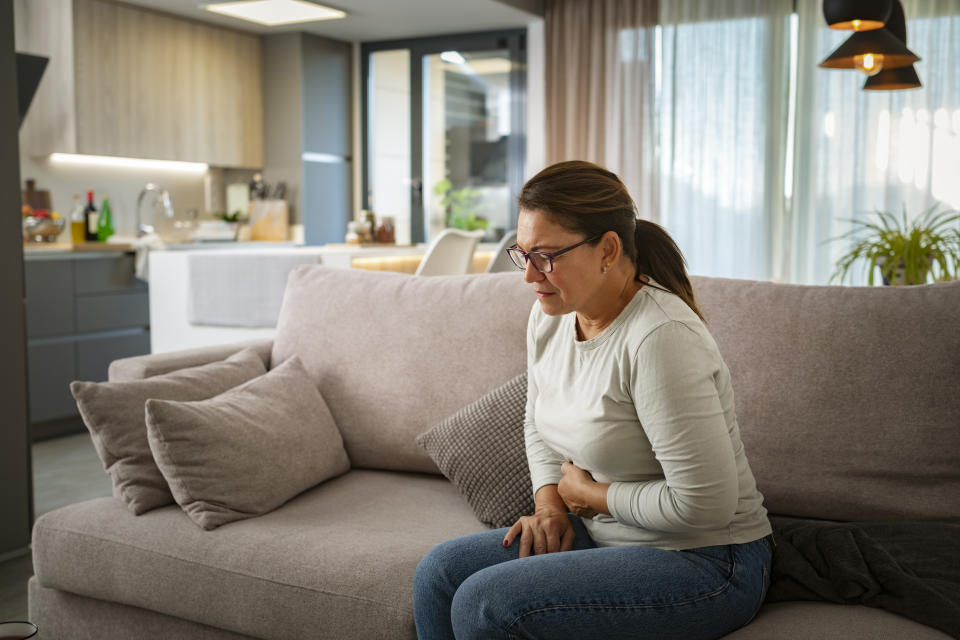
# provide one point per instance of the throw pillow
(247, 451)
(481, 450)
(113, 413)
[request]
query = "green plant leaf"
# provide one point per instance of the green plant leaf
(892, 243)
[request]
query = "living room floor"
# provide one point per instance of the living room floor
(65, 471)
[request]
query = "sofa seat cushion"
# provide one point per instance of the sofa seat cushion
(818, 620)
(334, 562)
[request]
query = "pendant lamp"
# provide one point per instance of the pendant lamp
(874, 50)
(901, 77)
(893, 80)
(857, 15)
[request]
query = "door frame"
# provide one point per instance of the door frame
(16, 477)
(514, 41)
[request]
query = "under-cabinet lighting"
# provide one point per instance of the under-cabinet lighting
(453, 57)
(129, 163)
(275, 12)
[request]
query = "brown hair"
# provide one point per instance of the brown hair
(587, 199)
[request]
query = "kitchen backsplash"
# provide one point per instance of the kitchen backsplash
(121, 184)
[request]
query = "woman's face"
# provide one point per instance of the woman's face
(576, 274)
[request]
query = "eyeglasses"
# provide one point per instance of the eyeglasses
(542, 260)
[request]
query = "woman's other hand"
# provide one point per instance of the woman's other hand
(548, 530)
(581, 493)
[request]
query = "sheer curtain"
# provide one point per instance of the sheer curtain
(859, 151)
(687, 101)
(722, 105)
(600, 75)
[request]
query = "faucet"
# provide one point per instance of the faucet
(153, 191)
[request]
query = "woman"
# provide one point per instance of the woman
(630, 427)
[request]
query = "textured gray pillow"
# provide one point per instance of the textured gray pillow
(481, 450)
(113, 412)
(247, 451)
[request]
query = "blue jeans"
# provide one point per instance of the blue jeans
(474, 587)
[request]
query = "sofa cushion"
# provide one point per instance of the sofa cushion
(481, 450)
(393, 354)
(248, 450)
(114, 414)
(335, 562)
(66, 615)
(846, 397)
(819, 620)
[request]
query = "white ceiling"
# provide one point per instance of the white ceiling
(370, 20)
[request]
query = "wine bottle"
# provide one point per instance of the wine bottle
(104, 222)
(90, 219)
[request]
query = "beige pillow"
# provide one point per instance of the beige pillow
(248, 450)
(113, 412)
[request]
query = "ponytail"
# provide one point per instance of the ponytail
(659, 257)
(587, 199)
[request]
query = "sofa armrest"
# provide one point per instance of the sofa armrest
(140, 367)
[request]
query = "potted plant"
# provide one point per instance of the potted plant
(906, 251)
(461, 206)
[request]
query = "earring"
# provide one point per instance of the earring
(604, 268)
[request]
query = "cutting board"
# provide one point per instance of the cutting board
(36, 198)
(269, 221)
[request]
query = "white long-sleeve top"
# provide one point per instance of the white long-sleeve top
(647, 406)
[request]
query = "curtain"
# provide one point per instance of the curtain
(687, 101)
(722, 128)
(860, 151)
(600, 75)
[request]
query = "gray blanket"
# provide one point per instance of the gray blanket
(909, 568)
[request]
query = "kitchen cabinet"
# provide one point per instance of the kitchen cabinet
(132, 82)
(84, 310)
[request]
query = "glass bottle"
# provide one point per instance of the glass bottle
(104, 222)
(78, 223)
(90, 219)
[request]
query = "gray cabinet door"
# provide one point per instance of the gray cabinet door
(94, 355)
(103, 275)
(49, 297)
(52, 367)
(103, 312)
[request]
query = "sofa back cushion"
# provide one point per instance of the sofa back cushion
(848, 398)
(394, 354)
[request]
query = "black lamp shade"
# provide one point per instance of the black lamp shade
(893, 80)
(857, 15)
(901, 77)
(897, 23)
(878, 42)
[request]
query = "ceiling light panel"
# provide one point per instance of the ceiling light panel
(274, 13)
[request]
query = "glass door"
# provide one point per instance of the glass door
(444, 130)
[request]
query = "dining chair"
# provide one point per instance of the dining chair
(450, 253)
(500, 261)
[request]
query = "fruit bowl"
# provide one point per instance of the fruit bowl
(37, 229)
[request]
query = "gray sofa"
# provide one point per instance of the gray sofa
(847, 402)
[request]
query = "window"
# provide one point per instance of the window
(445, 132)
(763, 157)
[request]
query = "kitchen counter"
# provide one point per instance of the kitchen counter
(171, 282)
(38, 249)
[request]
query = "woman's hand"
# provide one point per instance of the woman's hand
(581, 493)
(548, 530)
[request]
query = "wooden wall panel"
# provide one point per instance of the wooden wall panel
(43, 28)
(150, 85)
